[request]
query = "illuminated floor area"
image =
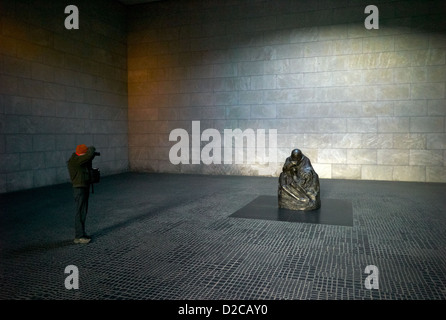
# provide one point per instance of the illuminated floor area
(162, 236)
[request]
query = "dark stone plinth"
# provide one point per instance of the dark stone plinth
(334, 212)
(299, 187)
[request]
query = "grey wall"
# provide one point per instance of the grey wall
(60, 88)
(362, 104)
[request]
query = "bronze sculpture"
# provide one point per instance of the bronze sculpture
(299, 187)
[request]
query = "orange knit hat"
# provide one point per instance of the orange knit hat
(80, 149)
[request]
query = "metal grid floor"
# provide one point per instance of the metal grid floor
(171, 237)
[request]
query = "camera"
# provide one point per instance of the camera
(95, 173)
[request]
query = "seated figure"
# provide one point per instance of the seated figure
(299, 184)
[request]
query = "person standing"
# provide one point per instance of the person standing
(79, 166)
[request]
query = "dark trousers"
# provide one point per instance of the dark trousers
(81, 201)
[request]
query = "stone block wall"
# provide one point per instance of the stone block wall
(60, 88)
(362, 104)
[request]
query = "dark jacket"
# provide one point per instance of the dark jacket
(78, 167)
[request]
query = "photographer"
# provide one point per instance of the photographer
(79, 168)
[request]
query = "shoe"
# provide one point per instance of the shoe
(82, 240)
